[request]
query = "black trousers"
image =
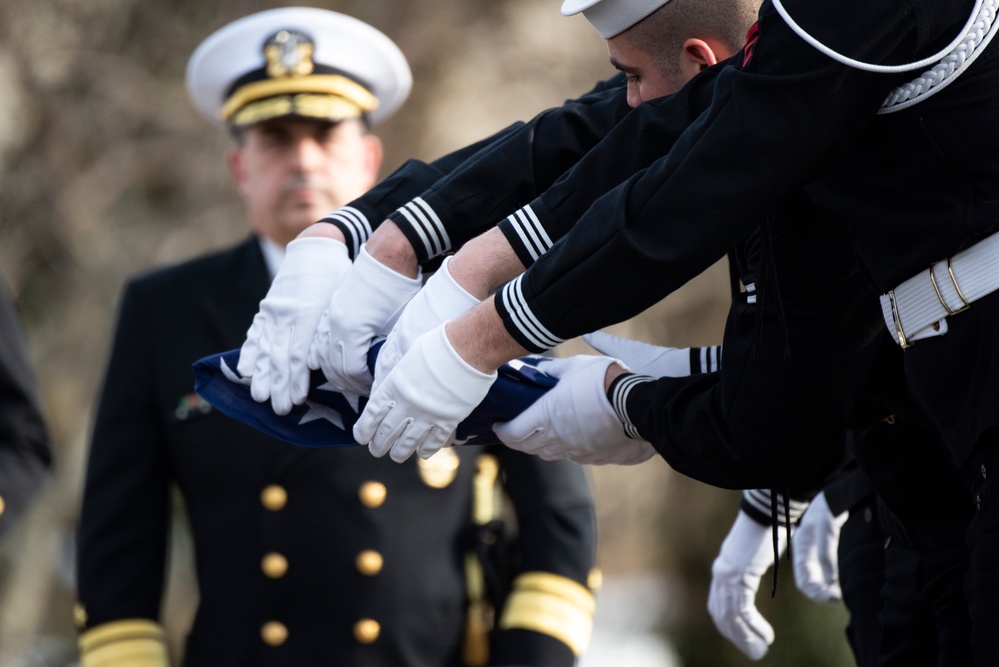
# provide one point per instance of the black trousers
(982, 583)
(925, 618)
(919, 517)
(861, 575)
(955, 379)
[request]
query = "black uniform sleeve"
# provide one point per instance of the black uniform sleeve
(358, 219)
(532, 231)
(511, 172)
(25, 450)
(723, 428)
(793, 361)
(777, 118)
(767, 506)
(848, 490)
(123, 524)
(547, 616)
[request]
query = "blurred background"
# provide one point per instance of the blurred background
(107, 170)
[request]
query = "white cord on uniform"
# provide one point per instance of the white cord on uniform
(870, 67)
(947, 70)
(950, 61)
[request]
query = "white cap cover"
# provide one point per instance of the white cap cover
(297, 61)
(612, 17)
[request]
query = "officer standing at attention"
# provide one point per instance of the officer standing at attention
(306, 556)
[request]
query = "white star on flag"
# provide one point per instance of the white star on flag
(317, 412)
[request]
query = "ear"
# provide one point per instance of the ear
(235, 161)
(696, 55)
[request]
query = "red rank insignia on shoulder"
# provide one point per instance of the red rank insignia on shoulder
(752, 37)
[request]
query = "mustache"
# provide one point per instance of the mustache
(309, 181)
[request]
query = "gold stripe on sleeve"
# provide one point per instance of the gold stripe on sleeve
(133, 642)
(552, 605)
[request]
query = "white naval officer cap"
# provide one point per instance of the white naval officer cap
(612, 17)
(297, 61)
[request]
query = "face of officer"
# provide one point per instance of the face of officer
(293, 171)
(653, 73)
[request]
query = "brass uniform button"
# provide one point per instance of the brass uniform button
(372, 494)
(439, 470)
(369, 563)
(366, 630)
(274, 633)
(3, 505)
(273, 497)
(274, 565)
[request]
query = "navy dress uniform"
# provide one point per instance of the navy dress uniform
(307, 556)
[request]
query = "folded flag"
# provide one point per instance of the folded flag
(327, 417)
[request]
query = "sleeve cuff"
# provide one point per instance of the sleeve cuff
(520, 321)
(618, 394)
(552, 605)
(133, 642)
(423, 227)
(756, 503)
(355, 226)
(705, 359)
(526, 234)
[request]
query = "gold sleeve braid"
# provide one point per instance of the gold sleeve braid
(131, 642)
(552, 605)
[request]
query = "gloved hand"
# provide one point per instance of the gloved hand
(816, 562)
(277, 343)
(745, 556)
(441, 300)
(642, 358)
(574, 420)
(418, 406)
(362, 309)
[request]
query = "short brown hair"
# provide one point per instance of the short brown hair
(663, 32)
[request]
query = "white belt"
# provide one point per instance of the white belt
(919, 307)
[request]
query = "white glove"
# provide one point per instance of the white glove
(642, 358)
(816, 562)
(745, 556)
(574, 420)
(418, 406)
(441, 300)
(362, 309)
(277, 343)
